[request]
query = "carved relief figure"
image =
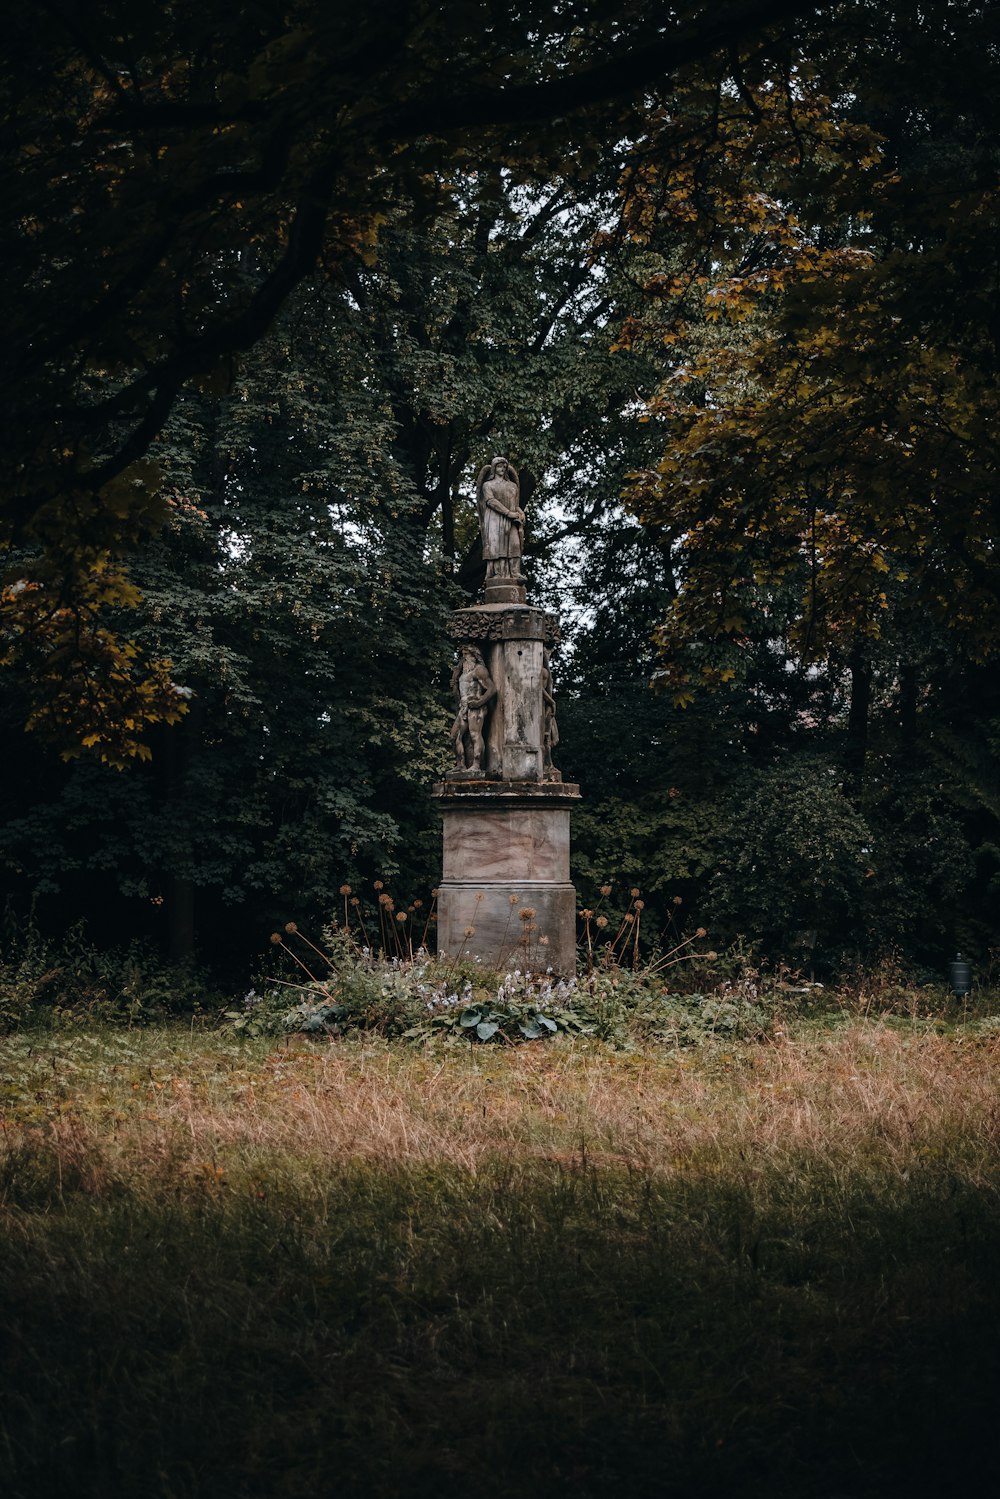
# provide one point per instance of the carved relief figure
(550, 729)
(474, 690)
(501, 519)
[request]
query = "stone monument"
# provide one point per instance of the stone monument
(505, 896)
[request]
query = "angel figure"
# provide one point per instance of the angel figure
(501, 519)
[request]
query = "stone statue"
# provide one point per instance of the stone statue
(501, 519)
(474, 690)
(550, 729)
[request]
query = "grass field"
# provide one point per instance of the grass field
(235, 1267)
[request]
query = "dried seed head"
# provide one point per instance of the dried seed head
(605, 889)
(701, 932)
(586, 914)
(417, 905)
(379, 884)
(601, 921)
(678, 900)
(400, 915)
(276, 937)
(640, 905)
(634, 891)
(385, 899)
(711, 956)
(470, 931)
(355, 900)
(526, 913)
(290, 926)
(543, 940)
(514, 900)
(345, 889)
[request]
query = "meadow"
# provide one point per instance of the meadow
(297, 1266)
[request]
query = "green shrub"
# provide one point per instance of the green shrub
(44, 982)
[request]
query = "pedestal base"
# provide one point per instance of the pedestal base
(506, 854)
(530, 924)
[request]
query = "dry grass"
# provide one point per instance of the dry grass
(832, 1096)
(545, 1269)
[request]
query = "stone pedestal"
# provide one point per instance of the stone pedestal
(506, 852)
(506, 821)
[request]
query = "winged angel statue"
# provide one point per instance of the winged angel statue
(501, 519)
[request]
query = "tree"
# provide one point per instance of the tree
(834, 420)
(148, 148)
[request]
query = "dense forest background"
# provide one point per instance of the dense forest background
(726, 288)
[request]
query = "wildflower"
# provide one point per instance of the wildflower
(470, 931)
(701, 932)
(678, 900)
(290, 926)
(400, 915)
(605, 889)
(586, 914)
(515, 900)
(629, 917)
(711, 956)
(417, 905)
(526, 913)
(379, 884)
(345, 889)
(543, 941)
(640, 905)
(385, 899)
(602, 922)
(276, 937)
(434, 895)
(355, 901)
(634, 891)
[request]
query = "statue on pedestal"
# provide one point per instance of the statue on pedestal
(505, 808)
(501, 520)
(474, 690)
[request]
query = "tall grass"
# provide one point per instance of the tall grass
(366, 1270)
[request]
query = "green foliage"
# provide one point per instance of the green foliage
(796, 860)
(422, 999)
(269, 321)
(173, 176)
(74, 981)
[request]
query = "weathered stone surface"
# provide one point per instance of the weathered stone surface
(506, 896)
(529, 843)
(502, 840)
(475, 693)
(513, 641)
(503, 622)
(501, 938)
(501, 526)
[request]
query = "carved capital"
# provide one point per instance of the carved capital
(511, 623)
